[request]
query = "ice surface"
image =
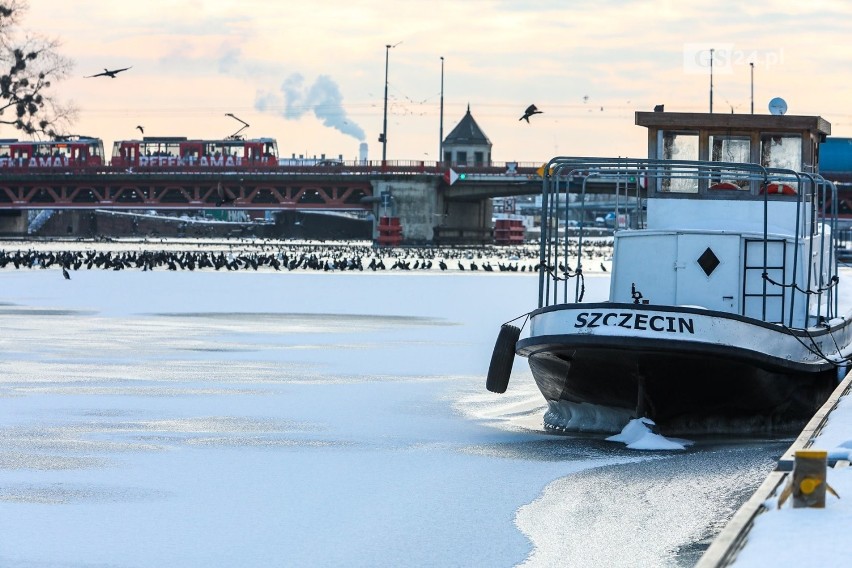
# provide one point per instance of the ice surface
(299, 419)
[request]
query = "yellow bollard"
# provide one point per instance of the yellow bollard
(809, 471)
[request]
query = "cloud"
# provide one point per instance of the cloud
(230, 61)
(323, 98)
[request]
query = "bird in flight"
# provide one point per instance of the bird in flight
(109, 73)
(531, 110)
(140, 129)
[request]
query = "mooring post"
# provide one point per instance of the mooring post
(809, 479)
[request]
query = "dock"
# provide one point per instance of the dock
(739, 543)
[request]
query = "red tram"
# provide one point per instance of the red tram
(174, 152)
(67, 153)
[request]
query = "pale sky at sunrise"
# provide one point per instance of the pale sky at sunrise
(588, 65)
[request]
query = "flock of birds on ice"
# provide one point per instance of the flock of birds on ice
(248, 255)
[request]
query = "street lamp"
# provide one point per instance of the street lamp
(441, 128)
(384, 136)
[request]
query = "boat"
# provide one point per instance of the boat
(724, 310)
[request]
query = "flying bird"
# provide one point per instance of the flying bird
(140, 129)
(109, 73)
(531, 110)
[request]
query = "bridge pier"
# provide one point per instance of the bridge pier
(426, 216)
(13, 223)
(465, 222)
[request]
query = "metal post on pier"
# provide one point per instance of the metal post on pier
(711, 80)
(751, 64)
(441, 127)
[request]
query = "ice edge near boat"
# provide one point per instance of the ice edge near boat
(723, 311)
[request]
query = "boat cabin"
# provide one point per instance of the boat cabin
(724, 207)
(735, 218)
(774, 142)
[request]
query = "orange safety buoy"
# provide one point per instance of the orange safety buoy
(724, 185)
(779, 188)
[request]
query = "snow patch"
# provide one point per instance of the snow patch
(639, 435)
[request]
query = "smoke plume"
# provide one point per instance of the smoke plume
(323, 98)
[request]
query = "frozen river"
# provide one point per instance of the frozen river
(311, 419)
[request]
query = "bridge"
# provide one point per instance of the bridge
(338, 185)
(183, 190)
(415, 192)
(430, 209)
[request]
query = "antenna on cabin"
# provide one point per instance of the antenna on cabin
(236, 135)
(778, 106)
(711, 80)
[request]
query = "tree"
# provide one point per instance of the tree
(28, 65)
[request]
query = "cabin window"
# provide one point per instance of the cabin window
(777, 151)
(784, 152)
(478, 158)
(736, 149)
(678, 146)
(461, 158)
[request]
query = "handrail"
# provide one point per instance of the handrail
(577, 172)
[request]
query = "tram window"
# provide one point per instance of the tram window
(678, 146)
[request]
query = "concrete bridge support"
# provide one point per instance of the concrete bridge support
(427, 216)
(465, 222)
(13, 223)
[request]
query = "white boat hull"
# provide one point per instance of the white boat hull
(682, 365)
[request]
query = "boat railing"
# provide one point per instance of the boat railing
(562, 174)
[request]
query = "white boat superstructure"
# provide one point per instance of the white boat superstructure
(723, 304)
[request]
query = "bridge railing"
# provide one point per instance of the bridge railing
(293, 167)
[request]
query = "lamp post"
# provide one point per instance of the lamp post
(384, 137)
(441, 127)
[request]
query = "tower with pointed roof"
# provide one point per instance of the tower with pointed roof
(467, 144)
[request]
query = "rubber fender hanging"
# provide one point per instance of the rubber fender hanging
(502, 359)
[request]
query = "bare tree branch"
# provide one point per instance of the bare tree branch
(29, 64)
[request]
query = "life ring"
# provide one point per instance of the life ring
(779, 188)
(726, 185)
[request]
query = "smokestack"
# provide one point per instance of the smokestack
(362, 152)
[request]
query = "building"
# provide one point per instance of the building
(467, 144)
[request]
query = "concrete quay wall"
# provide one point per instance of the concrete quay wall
(734, 537)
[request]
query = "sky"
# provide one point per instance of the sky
(312, 75)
